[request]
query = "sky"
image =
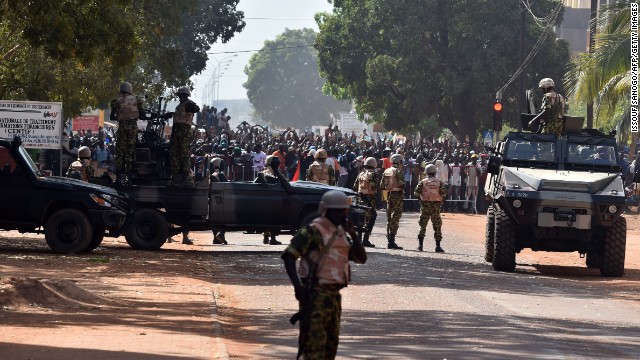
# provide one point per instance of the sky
(265, 19)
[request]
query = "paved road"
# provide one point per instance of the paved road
(412, 305)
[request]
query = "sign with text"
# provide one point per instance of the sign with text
(86, 122)
(37, 123)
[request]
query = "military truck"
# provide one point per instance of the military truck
(249, 206)
(560, 194)
(72, 214)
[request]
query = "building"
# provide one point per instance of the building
(575, 24)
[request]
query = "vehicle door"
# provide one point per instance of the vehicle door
(254, 203)
(15, 187)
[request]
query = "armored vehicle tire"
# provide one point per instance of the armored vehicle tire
(614, 249)
(68, 231)
(148, 230)
(96, 240)
(489, 234)
(504, 255)
(594, 260)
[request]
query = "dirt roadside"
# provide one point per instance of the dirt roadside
(125, 304)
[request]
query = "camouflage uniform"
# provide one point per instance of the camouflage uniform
(430, 210)
(369, 200)
(554, 103)
(331, 173)
(181, 137)
(394, 199)
(81, 172)
(127, 133)
(321, 340)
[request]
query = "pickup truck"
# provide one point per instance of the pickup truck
(72, 214)
(250, 206)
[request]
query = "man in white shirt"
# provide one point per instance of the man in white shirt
(258, 157)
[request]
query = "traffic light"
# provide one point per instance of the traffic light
(497, 116)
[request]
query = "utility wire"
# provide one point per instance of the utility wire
(263, 49)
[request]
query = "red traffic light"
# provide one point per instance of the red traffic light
(497, 106)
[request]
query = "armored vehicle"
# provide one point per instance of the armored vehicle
(561, 194)
(72, 214)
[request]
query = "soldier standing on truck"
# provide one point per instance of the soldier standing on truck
(325, 247)
(81, 169)
(181, 137)
(393, 182)
(431, 192)
(549, 120)
(126, 109)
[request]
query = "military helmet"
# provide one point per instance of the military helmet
(396, 159)
(184, 90)
(215, 163)
(334, 199)
(126, 87)
(371, 161)
(321, 154)
(430, 169)
(84, 152)
(546, 83)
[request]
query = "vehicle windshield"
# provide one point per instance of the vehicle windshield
(591, 154)
(28, 160)
(531, 150)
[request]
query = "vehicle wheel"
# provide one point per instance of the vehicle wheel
(615, 243)
(96, 240)
(489, 234)
(148, 230)
(504, 254)
(594, 260)
(68, 231)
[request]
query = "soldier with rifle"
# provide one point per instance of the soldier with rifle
(549, 120)
(325, 247)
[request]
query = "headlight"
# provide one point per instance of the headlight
(517, 203)
(103, 200)
(613, 209)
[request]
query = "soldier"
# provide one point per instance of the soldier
(549, 120)
(181, 136)
(126, 108)
(81, 169)
(431, 192)
(393, 182)
(272, 162)
(216, 167)
(319, 171)
(325, 246)
(367, 187)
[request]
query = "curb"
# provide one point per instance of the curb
(221, 349)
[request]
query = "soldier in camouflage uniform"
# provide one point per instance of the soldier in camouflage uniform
(366, 186)
(393, 182)
(271, 165)
(552, 110)
(81, 169)
(321, 172)
(431, 193)
(325, 247)
(126, 108)
(181, 137)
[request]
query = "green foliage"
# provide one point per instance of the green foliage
(78, 51)
(284, 85)
(403, 61)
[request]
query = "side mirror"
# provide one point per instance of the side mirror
(493, 167)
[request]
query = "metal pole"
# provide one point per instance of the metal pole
(521, 99)
(592, 43)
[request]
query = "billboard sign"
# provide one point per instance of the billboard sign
(39, 124)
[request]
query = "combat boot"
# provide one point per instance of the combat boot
(187, 241)
(365, 241)
(265, 239)
(420, 242)
(274, 241)
(438, 248)
(392, 243)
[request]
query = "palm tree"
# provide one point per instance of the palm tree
(604, 76)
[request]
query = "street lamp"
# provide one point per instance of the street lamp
(219, 70)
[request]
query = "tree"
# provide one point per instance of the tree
(402, 62)
(284, 84)
(77, 51)
(604, 76)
